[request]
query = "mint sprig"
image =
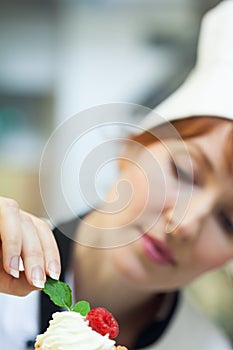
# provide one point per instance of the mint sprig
(61, 295)
(59, 292)
(83, 307)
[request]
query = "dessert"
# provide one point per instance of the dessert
(79, 327)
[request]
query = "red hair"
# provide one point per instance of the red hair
(188, 128)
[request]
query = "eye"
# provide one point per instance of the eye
(226, 222)
(181, 174)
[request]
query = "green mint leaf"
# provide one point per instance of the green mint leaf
(83, 307)
(59, 292)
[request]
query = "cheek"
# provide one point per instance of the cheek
(212, 251)
(136, 191)
(148, 195)
(147, 187)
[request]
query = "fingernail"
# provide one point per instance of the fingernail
(53, 270)
(14, 266)
(37, 276)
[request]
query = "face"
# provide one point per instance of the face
(180, 207)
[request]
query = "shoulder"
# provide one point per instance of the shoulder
(191, 329)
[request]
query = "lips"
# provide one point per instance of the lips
(156, 250)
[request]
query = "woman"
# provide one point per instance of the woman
(175, 225)
(173, 249)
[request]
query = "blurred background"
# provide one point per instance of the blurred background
(58, 57)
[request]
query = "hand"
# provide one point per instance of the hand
(24, 236)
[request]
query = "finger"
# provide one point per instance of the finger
(11, 235)
(11, 285)
(49, 247)
(32, 253)
(19, 287)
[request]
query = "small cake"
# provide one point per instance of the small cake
(79, 328)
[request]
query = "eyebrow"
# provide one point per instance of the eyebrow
(198, 153)
(228, 151)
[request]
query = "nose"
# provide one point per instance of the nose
(186, 221)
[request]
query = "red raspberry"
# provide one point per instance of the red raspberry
(103, 322)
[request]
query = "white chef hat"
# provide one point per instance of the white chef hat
(208, 90)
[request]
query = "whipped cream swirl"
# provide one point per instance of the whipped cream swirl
(69, 330)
